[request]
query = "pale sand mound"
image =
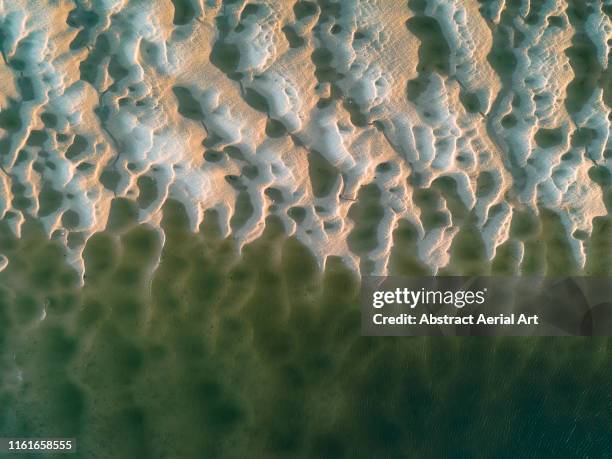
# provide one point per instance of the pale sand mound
(347, 120)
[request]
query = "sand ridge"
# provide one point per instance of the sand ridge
(343, 119)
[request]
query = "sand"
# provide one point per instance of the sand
(297, 109)
(191, 190)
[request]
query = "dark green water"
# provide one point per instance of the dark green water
(260, 355)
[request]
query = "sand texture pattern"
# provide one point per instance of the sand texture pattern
(191, 190)
(346, 120)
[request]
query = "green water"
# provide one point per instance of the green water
(216, 354)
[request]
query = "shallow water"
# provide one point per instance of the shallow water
(209, 353)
